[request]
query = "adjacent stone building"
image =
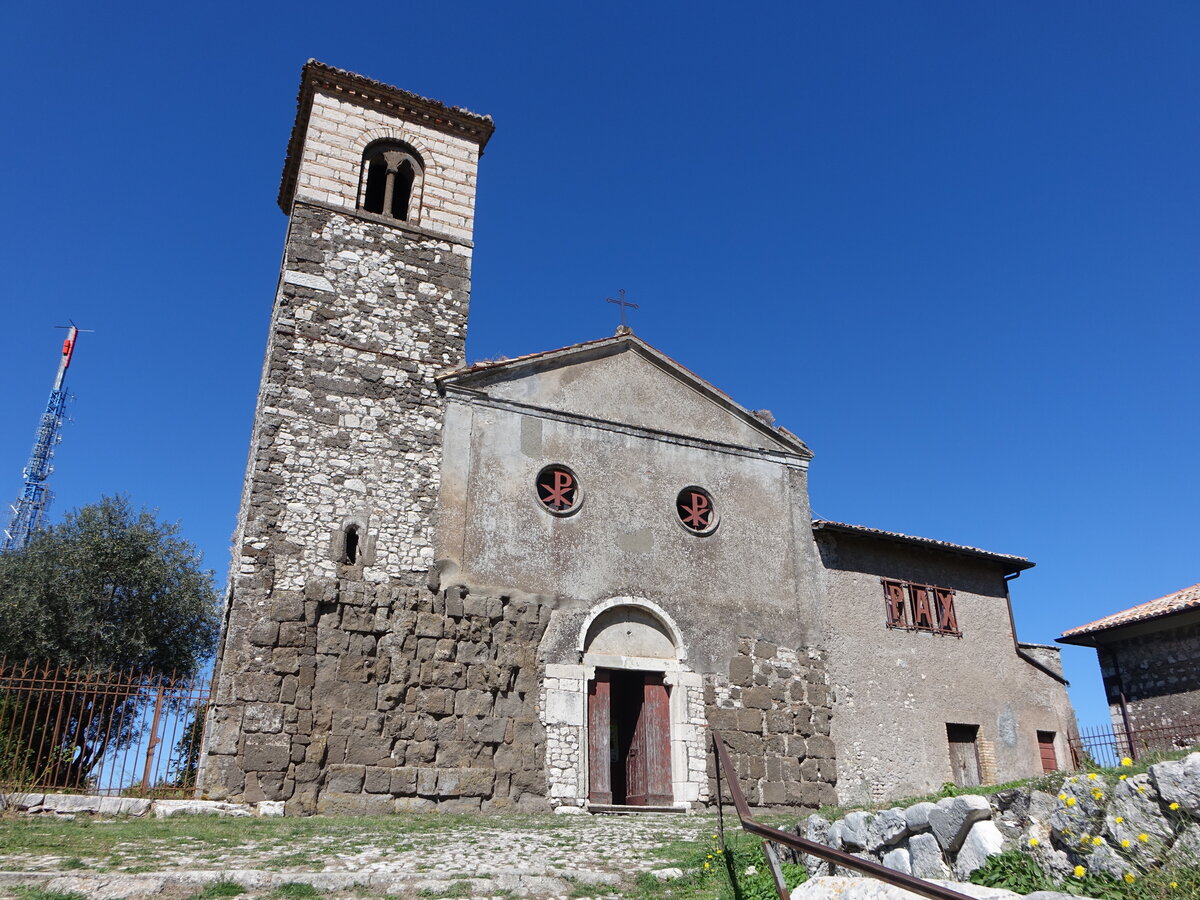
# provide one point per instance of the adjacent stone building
(1150, 662)
(539, 582)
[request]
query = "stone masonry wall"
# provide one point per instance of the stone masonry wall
(1160, 673)
(774, 713)
(347, 430)
(385, 698)
(339, 129)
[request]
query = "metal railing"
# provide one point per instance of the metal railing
(771, 835)
(1108, 744)
(98, 731)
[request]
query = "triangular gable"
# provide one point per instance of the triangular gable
(623, 379)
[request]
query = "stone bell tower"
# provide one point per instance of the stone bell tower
(344, 466)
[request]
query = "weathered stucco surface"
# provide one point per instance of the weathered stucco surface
(896, 690)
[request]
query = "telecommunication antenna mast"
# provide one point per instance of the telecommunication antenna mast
(28, 511)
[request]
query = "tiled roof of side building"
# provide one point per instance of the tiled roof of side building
(1188, 598)
(1014, 563)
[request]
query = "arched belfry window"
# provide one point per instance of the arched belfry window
(391, 180)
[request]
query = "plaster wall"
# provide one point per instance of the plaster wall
(752, 575)
(896, 690)
(618, 383)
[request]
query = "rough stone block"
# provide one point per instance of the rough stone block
(952, 818)
(267, 752)
(983, 840)
(917, 816)
(345, 779)
(926, 857)
(332, 803)
(757, 698)
(1178, 781)
(741, 671)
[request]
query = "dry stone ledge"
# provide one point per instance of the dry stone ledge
(833, 887)
(956, 835)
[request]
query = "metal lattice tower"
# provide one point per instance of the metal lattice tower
(28, 511)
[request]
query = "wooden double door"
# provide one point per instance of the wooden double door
(629, 739)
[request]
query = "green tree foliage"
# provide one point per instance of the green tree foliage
(109, 587)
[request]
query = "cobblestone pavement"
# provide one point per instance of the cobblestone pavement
(535, 856)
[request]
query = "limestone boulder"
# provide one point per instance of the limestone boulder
(953, 817)
(815, 829)
(832, 887)
(898, 859)
(1178, 781)
(917, 816)
(1135, 802)
(983, 840)
(886, 829)
(854, 830)
(926, 857)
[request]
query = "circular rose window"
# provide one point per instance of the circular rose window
(696, 511)
(558, 490)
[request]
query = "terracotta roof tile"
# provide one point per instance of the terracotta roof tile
(1188, 598)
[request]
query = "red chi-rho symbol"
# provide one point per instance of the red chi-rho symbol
(557, 488)
(695, 509)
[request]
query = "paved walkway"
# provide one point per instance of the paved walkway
(535, 856)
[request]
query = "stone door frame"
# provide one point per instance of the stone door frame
(564, 711)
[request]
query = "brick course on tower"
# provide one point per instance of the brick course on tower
(538, 582)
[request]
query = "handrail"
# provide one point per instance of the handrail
(839, 857)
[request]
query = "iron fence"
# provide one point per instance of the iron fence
(1107, 745)
(134, 734)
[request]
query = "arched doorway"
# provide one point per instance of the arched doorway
(628, 649)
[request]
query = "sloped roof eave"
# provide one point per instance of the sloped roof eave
(1181, 601)
(463, 377)
(1009, 562)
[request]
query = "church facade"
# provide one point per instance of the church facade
(541, 581)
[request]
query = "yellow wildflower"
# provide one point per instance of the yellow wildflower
(1119, 819)
(1141, 787)
(1173, 807)
(1129, 878)
(1079, 870)
(1062, 796)
(1173, 885)
(1126, 761)
(1125, 842)
(1092, 776)
(1097, 841)
(1123, 777)
(1070, 801)
(1098, 794)
(1143, 837)
(706, 865)
(1033, 842)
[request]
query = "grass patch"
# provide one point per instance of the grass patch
(33, 893)
(295, 890)
(219, 889)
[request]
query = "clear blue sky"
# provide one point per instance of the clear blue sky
(951, 245)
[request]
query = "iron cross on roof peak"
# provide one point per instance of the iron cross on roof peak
(624, 304)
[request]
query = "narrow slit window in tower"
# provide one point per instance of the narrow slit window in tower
(351, 551)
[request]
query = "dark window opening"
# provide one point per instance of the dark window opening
(351, 551)
(390, 173)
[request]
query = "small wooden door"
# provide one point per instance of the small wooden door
(1046, 751)
(599, 722)
(964, 754)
